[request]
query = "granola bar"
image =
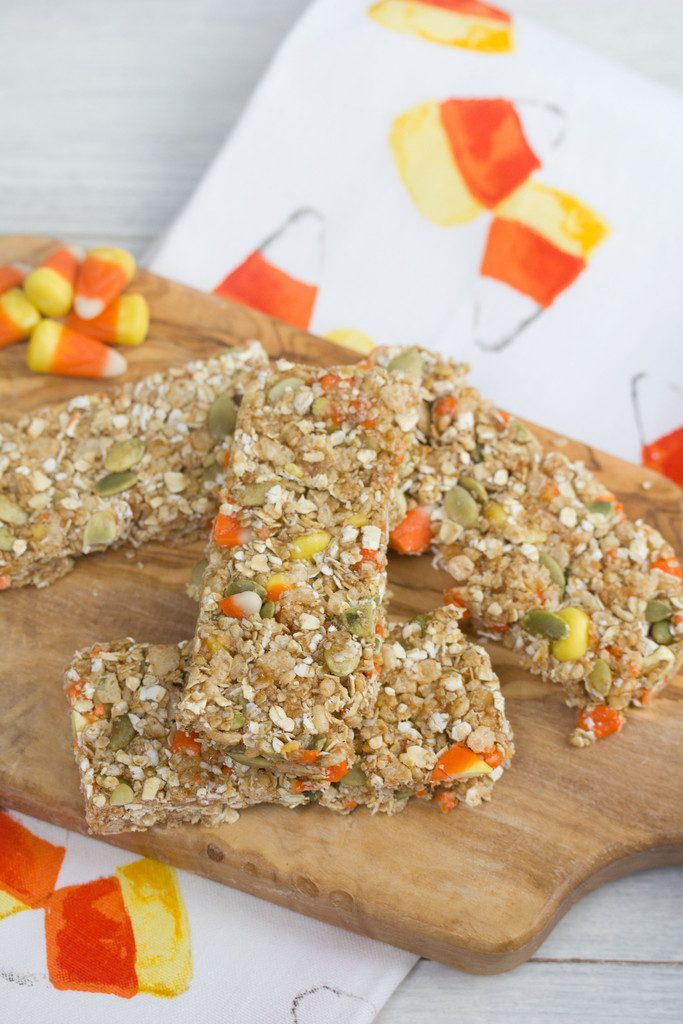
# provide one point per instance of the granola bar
(439, 721)
(439, 717)
(543, 560)
(129, 466)
(287, 648)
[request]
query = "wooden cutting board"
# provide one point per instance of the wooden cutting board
(476, 889)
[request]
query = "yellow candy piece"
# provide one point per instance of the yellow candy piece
(351, 338)
(359, 520)
(294, 470)
(310, 544)
(50, 287)
(575, 645)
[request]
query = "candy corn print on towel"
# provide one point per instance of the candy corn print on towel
(489, 189)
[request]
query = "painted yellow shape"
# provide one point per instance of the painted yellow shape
(437, 25)
(561, 218)
(425, 163)
(349, 337)
(163, 957)
(9, 906)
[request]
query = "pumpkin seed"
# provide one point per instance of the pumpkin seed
(11, 513)
(114, 483)
(662, 633)
(254, 495)
(424, 417)
(222, 417)
(600, 508)
(461, 507)
(268, 610)
(554, 570)
(122, 732)
(341, 661)
(6, 539)
(478, 453)
(355, 776)
(477, 490)
(421, 621)
(251, 762)
(198, 570)
(286, 384)
(600, 677)
(240, 586)
(101, 528)
(521, 431)
(361, 618)
(659, 655)
(321, 406)
(656, 611)
(409, 362)
(546, 624)
(123, 794)
(495, 513)
(211, 473)
(237, 720)
(124, 454)
(317, 743)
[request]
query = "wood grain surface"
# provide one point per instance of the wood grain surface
(477, 889)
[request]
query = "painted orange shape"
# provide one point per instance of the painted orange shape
(29, 865)
(666, 455)
(263, 286)
(90, 942)
(469, 24)
(489, 146)
(523, 259)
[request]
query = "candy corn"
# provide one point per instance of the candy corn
(280, 278)
(11, 276)
(50, 287)
(55, 348)
(17, 317)
(469, 24)
(349, 337)
(103, 276)
(124, 322)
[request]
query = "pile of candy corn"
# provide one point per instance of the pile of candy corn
(72, 309)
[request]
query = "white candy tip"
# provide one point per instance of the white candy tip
(115, 364)
(77, 251)
(87, 309)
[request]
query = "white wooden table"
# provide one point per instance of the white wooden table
(110, 113)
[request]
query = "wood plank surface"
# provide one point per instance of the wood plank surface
(492, 883)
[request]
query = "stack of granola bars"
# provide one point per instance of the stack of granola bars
(295, 688)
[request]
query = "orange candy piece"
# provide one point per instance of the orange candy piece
(90, 941)
(29, 865)
(185, 742)
(601, 720)
(669, 566)
(458, 762)
(57, 349)
(228, 532)
(413, 535)
(446, 801)
(11, 276)
(50, 287)
(102, 277)
(18, 317)
(124, 322)
(337, 771)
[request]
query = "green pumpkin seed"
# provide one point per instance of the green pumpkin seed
(321, 406)
(409, 362)
(342, 661)
(251, 762)
(240, 586)
(123, 794)
(6, 539)
(478, 453)
(546, 624)
(268, 610)
(124, 454)
(477, 490)
(662, 633)
(521, 431)
(197, 574)
(554, 569)
(600, 508)
(222, 417)
(355, 776)
(211, 473)
(318, 743)
(360, 620)
(421, 621)
(656, 611)
(122, 732)
(237, 720)
(11, 513)
(600, 677)
(254, 495)
(114, 483)
(101, 528)
(461, 507)
(286, 384)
